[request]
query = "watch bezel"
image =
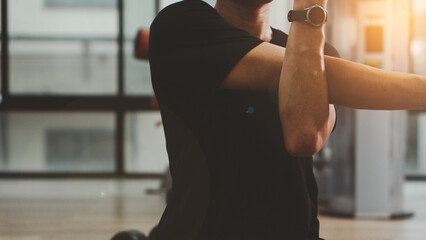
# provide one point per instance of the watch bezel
(308, 19)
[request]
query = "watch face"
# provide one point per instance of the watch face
(317, 15)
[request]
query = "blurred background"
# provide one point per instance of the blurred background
(82, 144)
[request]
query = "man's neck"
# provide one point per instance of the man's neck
(253, 19)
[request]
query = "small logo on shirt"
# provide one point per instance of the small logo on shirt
(250, 110)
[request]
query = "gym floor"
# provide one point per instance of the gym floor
(96, 209)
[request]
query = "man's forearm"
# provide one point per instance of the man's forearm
(303, 88)
(350, 84)
(358, 86)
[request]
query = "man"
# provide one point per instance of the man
(245, 107)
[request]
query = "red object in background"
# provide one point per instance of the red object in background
(141, 53)
(154, 103)
(142, 44)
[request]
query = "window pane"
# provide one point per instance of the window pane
(137, 15)
(51, 142)
(62, 49)
(416, 155)
(145, 143)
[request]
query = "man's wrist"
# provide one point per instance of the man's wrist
(315, 15)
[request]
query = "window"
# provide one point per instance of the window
(62, 50)
(145, 143)
(80, 149)
(73, 88)
(138, 15)
(58, 142)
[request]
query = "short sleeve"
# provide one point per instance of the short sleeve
(192, 48)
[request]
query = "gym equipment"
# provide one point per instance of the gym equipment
(141, 47)
(154, 103)
(141, 44)
(130, 235)
(364, 175)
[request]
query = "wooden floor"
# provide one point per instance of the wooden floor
(95, 210)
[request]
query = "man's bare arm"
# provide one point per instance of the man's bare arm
(349, 84)
(303, 89)
(362, 87)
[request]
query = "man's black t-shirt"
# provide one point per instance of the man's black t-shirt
(232, 176)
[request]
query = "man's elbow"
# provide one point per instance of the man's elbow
(304, 145)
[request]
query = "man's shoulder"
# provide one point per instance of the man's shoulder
(184, 7)
(183, 13)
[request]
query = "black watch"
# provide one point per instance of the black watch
(315, 15)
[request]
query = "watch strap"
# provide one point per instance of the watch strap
(297, 15)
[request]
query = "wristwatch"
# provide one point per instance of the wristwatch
(315, 15)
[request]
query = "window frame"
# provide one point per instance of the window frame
(119, 104)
